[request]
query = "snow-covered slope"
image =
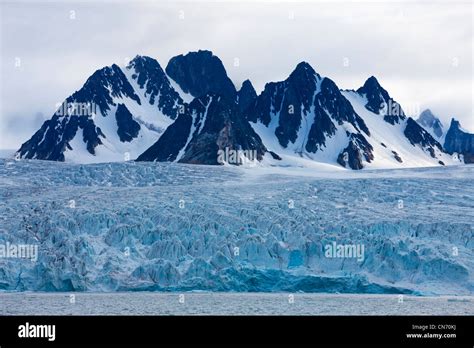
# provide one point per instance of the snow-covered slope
(183, 227)
(211, 126)
(307, 116)
(392, 147)
(115, 116)
(146, 114)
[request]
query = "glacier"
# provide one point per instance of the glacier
(138, 226)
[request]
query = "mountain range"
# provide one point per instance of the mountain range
(191, 112)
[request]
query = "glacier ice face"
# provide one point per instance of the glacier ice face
(176, 227)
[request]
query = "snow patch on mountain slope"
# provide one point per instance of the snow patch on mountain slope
(393, 138)
(187, 97)
(323, 159)
(151, 120)
(307, 119)
(112, 149)
(146, 113)
(194, 129)
(295, 153)
(79, 153)
(441, 138)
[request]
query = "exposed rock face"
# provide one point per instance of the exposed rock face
(460, 142)
(168, 146)
(149, 75)
(192, 113)
(308, 110)
(418, 135)
(380, 102)
(52, 139)
(200, 73)
(128, 128)
(352, 155)
(246, 96)
(431, 123)
(105, 99)
(102, 87)
(290, 100)
(331, 102)
(213, 125)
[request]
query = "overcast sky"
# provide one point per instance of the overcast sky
(421, 53)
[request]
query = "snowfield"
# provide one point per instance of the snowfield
(176, 227)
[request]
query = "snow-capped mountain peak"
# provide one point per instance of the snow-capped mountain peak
(380, 102)
(154, 85)
(432, 124)
(211, 125)
(200, 73)
(191, 111)
(115, 116)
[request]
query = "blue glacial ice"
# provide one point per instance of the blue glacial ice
(174, 227)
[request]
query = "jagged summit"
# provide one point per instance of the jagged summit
(200, 73)
(115, 115)
(380, 102)
(211, 125)
(102, 86)
(247, 87)
(371, 83)
(304, 70)
(152, 79)
(459, 141)
(191, 110)
(246, 96)
(431, 123)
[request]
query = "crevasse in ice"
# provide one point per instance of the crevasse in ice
(174, 227)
